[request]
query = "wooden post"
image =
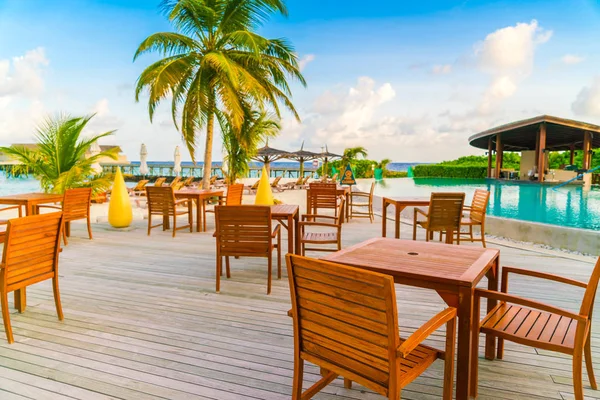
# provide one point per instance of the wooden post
(499, 149)
(541, 152)
(489, 169)
(572, 155)
(587, 146)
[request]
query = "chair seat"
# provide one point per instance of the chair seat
(320, 237)
(416, 362)
(529, 326)
(469, 221)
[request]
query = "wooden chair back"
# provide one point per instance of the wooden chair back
(140, 185)
(346, 320)
(159, 182)
(188, 181)
(175, 181)
(479, 205)
(76, 204)
(587, 304)
(161, 200)
(276, 181)
(445, 211)
(305, 180)
(31, 248)
(243, 230)
(234, 194)
(323, 195)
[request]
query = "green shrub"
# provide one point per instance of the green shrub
(450, 171)
(394, 174)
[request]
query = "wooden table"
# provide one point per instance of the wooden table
(400, 203)
(198, 196)
(288, 215)
(452, 271)
(341, 191)
(30, 201)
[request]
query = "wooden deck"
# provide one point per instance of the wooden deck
(142, 321)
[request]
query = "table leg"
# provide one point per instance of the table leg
(492, 277)
(347, 207)
(399, 209)
(199, 202)
(20, 299)
(384, 218)
(463, 362)
(297, 231)
(290, 229)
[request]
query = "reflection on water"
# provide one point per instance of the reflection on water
(568, 206)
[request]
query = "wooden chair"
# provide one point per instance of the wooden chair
(159, 181)
(275, 184)
(252, 188)
(188, 181)
(444, 215)
(322, 195)
(175, 182)
(233, 198)
(540, 325)
(30, 256)
(476, 217)
(76, 205)
(161, 201)
(293, 185)
(368, 204)
(320, 237)
(304, 184)
(246, 231)
(139, 188)
(346, 322)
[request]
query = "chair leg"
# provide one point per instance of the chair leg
(449, 360)
(149, 223)
(89, 226)
(588, 361)
(269, 271)
(347, 383)
(57, 302)
(483, 236)
(64, 234)
(227, 269)
(474, 356)
(174, 224)
(500, 352)
(279, 255)
(6, 318)
(218, 272)
(190, 217)
(414, 227)
(298, 377)
(577, 374)
(471, 233)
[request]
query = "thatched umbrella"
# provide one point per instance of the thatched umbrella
(326, 156)
(301, 156)
(267, 155)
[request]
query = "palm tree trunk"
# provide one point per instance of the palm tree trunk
(210, 126)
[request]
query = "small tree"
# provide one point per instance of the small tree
(59, 161)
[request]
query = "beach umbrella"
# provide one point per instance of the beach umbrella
(94, 151)
(267, 155)
(301, 156)
(177, 164)
(143, 158)
(326, 156)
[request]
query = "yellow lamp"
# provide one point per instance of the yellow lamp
(120, 213)
(264, 195)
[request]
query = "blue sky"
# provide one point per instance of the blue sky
(410, 81)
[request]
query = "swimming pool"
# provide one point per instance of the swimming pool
(568, 206)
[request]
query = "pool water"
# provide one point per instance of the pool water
(569, 206)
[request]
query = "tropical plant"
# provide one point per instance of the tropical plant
(351, 154)
(215, 61)
(240, 145)
(383, 163)
(59, 159)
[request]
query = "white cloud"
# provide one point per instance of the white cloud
(588, 100)
(304, 61)
(22, 76)
(441, 69)
(101, 108)
(571, 59)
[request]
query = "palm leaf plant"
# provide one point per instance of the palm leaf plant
(215, 62)
(351, 154)
(240, 145)
(59, 159)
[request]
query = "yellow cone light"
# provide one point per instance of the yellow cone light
(264, 195)
(120, 213)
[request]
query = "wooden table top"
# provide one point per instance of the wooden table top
(284, 210)
(417, 201)
(31, 198)
(198, 192)
(408, 259)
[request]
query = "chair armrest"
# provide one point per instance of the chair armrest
(306, 216)
(488, 294)
(276, 231)
(305, 223)
(419, 211)
(47, 206)
(10, 208)
(541, 275)
(359, 194)
(424, 331)
(182, 201)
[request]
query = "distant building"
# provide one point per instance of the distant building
(6, 159)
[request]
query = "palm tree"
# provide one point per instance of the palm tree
(383, 164)
(59, 159)
(215, 61)
(351, 154)
(241, 145)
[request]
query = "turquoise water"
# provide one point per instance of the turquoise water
(569, 206)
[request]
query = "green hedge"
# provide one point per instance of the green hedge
(449, 171)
